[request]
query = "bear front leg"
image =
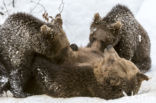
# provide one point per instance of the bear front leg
(144, 64)
(44, 79)
(18, 78)
(125, 50)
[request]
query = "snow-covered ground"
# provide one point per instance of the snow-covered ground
(77, 16)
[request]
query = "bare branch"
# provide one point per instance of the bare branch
(52, 19)
(45, 16)
(61, 7)
(1, 13)
(37, 3)
(5, 7)
(13, 3)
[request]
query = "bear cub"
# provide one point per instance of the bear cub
(107, 77)
(120, 29)
(21, 36)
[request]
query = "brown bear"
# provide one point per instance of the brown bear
(21, 36)
(120, 29)
(105, 77)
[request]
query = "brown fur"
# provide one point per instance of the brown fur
(84, 72)
(120, 29)
(87, 72)
(22, 36)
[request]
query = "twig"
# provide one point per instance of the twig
(37, 3)
(45, 16)
(5, 7)
(13, 3)
(1, 13)
(61, 7)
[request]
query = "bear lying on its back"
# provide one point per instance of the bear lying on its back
(107, 77)
(120, 29)
(21, 36)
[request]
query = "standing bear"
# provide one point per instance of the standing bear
(120, 29)
(21, 37)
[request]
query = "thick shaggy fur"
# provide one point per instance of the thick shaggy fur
(3, 78)
(21, 36)
(86, 72)
(120, 29)
(107, 77)
(62, 71)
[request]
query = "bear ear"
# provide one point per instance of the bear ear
(58, 20)
(45, 29)
(97, 18)
(141, 77)
(116, 26)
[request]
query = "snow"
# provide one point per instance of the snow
(139, 36)
(77, 16)
(3, 80)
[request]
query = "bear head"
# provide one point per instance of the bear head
(117, 76)
(106, 33)
(52, 38)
